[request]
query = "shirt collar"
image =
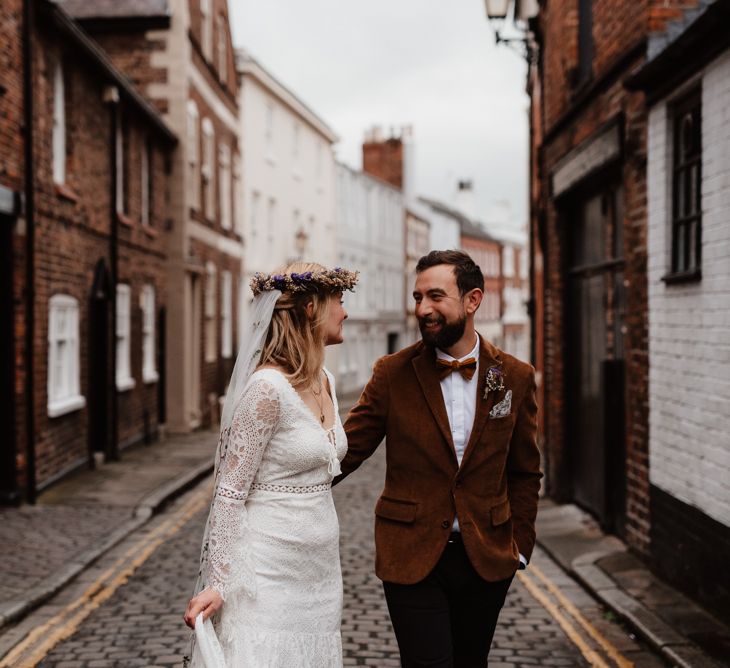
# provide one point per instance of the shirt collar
(440, 354)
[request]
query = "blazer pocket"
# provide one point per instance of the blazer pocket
(397, 511)
(501, 513)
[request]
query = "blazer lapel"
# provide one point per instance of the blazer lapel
(427, 374)
(488, 357)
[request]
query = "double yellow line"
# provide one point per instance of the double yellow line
(42, 639)
(562, 610)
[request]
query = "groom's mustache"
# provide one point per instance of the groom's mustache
(435, 319)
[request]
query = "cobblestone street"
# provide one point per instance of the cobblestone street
(126, 610)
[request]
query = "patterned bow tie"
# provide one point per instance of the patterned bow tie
(465, 368)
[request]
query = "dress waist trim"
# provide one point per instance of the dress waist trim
(290, 489)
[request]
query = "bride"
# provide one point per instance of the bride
(270, 570)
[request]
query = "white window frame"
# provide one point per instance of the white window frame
(59, 125)
(222, 49)
(145, 192)
(226, 314)
(124, 378)
(63, 377)
(207, 169)
(193, 147)
(206, 28)
(269, 131)
(211, 347)
(147, 303)
(508, 262)
(225, 185)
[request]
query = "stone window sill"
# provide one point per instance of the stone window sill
(64, 192)
(124, 219)
(149, 377)
(692, 276)
(125, 384)
(150, 231)
(65, 405)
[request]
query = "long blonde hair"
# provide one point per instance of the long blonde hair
(295, 340)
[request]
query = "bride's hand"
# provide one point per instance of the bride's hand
(207, 601)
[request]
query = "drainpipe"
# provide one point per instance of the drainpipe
(29, 176)
(111, 98)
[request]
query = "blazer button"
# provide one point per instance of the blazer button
(445, 524)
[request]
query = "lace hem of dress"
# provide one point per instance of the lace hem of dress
(264, 648)
(291, 489)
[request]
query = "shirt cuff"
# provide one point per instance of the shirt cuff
(523, 563)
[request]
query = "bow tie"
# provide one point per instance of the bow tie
(465, 368)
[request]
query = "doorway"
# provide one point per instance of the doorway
(595, 355)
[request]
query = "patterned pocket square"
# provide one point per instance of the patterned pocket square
(503, 408)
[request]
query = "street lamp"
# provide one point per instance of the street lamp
(523, 11)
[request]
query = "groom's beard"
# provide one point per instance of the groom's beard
(445, 337)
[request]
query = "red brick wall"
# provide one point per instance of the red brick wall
(11, 95)
(72, 234)
(617, 28)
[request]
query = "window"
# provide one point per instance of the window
(211, 350)
(208, 157)
(226, 314)
(269, 131)
(146, 182)
(254, 217)
(225, 185)
(59, 126)
(222, 49)
(124, 335)
(120, 148)
(149, 368)
(524, 265)
(270, 223)
(508, 262)
(237, 195)
(687, 188)
(206, 29)
(194, 154)
(64, 394)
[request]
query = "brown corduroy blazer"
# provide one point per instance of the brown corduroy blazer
(495, 490)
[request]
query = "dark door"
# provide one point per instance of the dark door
(98, 361)
(595, 415)
(8, 474)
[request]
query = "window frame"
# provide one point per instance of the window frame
(208, 169)
(193, 147)
(123, 338)
(226, 314)
(58, 141)
(149, 366)
(209, 312)
(225, 185)
(680, 222)
(70, 398)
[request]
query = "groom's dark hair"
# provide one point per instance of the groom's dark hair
(468, 274)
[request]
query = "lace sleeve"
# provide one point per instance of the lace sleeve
(254, 422)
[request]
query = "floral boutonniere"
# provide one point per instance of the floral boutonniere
(495, 380)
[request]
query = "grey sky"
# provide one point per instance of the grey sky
(429, 63)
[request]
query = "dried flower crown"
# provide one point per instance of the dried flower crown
(329, 280)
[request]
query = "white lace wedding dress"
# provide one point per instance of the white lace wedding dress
(274, 535)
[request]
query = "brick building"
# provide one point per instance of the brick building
(89, 255)
(600, 304)
(686, 79)
(179, 52)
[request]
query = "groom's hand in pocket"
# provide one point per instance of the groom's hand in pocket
(207, 601)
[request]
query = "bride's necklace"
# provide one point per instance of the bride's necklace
(319, 400)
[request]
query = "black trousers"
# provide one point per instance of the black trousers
(448, 619)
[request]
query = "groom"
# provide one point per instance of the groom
(456, 518)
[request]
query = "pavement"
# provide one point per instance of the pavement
(672, 624)
(82, 518)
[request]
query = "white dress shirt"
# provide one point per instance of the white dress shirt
(460, 399)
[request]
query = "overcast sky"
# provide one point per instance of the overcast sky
(428, 63)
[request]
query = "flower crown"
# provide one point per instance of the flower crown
(329, 280)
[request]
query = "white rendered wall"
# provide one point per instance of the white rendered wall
(689, 324)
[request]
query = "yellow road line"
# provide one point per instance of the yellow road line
(593, 658)
(56, 630)
(608, 647)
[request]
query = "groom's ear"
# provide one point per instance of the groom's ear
(473, 300)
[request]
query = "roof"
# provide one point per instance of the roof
(683, 48)
(97, 59)
(115, 9)
(246, 64)
(469, 227)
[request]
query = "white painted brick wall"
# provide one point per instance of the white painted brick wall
(689, 325)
